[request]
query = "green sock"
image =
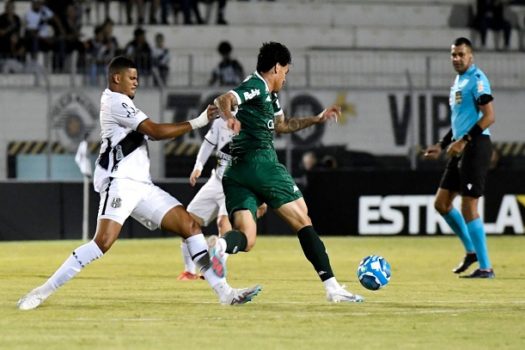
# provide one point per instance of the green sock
(315, 252)
(235, 241)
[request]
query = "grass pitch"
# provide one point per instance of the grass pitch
(130, 298)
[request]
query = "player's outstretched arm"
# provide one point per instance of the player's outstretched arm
(288, 125)
(157, 131)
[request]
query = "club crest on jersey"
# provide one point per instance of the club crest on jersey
(116, 202)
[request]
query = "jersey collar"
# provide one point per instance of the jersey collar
(470, 70)
(260, 77)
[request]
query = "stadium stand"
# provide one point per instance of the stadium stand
(366, 43)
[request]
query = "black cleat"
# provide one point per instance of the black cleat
(481, 274)
(468, 260)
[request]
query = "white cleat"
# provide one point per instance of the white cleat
(33, 299)
(341, 295)
(217, 257)
(240, 296)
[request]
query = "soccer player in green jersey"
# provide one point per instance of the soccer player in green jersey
(255, 176)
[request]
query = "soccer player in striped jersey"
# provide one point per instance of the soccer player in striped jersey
(208, 204)
(122, 177)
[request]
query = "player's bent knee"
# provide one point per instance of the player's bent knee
(442, 208)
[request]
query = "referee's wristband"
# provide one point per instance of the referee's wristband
(475, 131)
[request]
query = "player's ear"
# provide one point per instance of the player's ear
(116, 78)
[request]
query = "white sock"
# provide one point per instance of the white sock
(79, 259)
(197, 244)
(222, 289)
(189, 265)
(331, 284)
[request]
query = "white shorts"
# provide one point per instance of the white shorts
(209, 202)
(146, 203)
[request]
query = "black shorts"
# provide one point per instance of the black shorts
(467, 174)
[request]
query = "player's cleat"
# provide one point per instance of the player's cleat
(240, 296)
(33, 299)
(187, 276)
(217, 257)
(478, 273)
(341, 295)
(468, 260)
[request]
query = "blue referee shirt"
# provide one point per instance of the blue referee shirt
(464, 94)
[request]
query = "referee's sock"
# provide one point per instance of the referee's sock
(457, 223)
(477, 233)
(315, 252)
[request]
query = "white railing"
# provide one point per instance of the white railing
(326, 69)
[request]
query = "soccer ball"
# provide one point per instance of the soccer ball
(373, 272)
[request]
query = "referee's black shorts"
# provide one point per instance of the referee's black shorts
(467, 174)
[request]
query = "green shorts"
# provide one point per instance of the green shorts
(258, 178)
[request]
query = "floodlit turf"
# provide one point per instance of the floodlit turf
(130, 299)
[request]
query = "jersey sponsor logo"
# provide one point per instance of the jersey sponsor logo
(251, 94)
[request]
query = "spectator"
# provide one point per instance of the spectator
(73, 34)
(110, 40)
(10, 24)
(490, 15)
(139, 50)
(15, 56)
(229, 71)
(220, 12)
(41, 26)
(309, 161)
(96, 52)
(161, 59)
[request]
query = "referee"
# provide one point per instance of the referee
(469, 149)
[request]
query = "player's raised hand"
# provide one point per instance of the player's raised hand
(331, 113)
(195, 174)
(234, 124)
(432, 152)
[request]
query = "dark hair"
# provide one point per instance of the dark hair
(224, 48)
(119, 63)
(463, 41)
(272, 53)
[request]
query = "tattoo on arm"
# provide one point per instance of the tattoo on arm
(289, 125)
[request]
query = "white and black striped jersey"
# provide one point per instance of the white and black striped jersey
(124, 151)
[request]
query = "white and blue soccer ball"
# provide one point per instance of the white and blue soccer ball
(374, 272)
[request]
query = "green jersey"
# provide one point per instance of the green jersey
(257, 108)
